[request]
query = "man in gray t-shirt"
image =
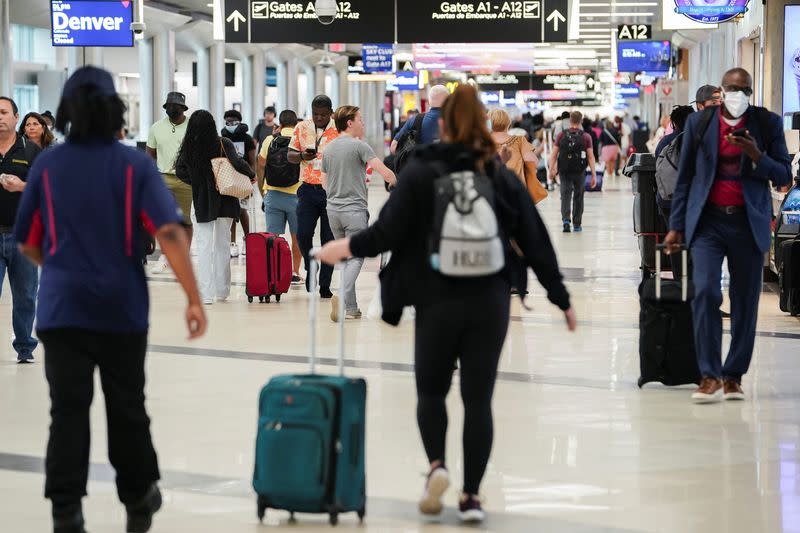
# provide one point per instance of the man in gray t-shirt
(344, 165)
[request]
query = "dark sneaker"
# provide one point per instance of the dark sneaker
(68, 520)
(710, 391)
(297, 280)
(25, 360)
(567, 228)
(437, 483)
(325, 294)
(140, 515)
(732, 390)
(470, 510)
(725, 314)
(578, 229)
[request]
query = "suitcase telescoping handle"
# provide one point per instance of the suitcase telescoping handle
(313, 309)
(684, 271)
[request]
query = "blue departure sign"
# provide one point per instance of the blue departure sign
(91, 23)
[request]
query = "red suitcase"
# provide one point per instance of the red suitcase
(269, 266)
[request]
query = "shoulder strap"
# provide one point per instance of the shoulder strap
(417, 127)
(611, 136)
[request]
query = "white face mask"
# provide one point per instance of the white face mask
(736, 102)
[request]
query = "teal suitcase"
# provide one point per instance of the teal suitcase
(310, 455)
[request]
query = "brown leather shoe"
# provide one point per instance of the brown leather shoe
(732, 390)
(710, 391)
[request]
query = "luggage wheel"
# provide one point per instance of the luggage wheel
(249, 299)
(261, 299)
(262, 508)
(292, 519)
(333, 519)
(267, 299)
(278, 298)
(361, 514)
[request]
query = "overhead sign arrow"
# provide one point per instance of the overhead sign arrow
(555, 17)
(236, 17)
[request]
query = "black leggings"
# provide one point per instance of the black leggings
(471, 330)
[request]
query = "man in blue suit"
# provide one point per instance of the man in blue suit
(722, 207)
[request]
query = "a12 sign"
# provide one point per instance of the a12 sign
(634, 32)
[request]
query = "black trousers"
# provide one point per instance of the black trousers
(312, 205)
(71, 356)
(470, 330)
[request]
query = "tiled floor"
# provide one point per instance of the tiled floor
(577, 448)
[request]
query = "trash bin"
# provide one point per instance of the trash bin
(647, 221)
(642, 170)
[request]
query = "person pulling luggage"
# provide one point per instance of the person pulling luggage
(461, 294)
(722, 207)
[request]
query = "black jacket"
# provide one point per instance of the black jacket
(406, 220)
(209, 204)
(241, 136)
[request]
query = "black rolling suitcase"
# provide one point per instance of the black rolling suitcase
(666, 332)
(789, 277)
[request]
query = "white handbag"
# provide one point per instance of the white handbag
(228, 180)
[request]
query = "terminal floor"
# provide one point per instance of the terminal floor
(578, 448)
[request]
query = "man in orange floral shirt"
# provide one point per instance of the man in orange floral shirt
(306, 147)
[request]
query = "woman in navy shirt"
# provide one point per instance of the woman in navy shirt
(93, 193)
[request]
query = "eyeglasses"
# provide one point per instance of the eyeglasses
(748, 91)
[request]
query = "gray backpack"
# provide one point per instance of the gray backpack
(465, 240)
(667, 168)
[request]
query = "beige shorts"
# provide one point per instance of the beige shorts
(183, 195)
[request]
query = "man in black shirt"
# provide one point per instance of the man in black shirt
(265, 127)
(236, 131)
(16, 159)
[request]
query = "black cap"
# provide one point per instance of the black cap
(94, 76)
(706, 92)
(176, 98)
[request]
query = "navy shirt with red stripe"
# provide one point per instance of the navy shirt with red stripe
(86, 205)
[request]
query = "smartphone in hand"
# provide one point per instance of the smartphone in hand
(741, 132)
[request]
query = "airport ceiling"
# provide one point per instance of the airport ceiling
(598, 18)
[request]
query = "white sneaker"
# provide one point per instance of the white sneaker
(208, 301)
(234, 250)
(438, 482)
(222, 299)
(161, 267)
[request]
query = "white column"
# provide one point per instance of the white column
(217, 80)
(146, 96)
(319, 81)
(311, 88)
(344, 86)
(6, 54)
(290, 85)
(247, 92)
(334, 92)
(163, 68)
(93, 56)
(259, 86)
(203, 89)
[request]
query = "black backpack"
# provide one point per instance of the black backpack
(407, 143)
(572, 152)
(279, 171)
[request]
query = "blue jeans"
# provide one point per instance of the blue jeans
(719, 236)
(280, 208)
(23, 276)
